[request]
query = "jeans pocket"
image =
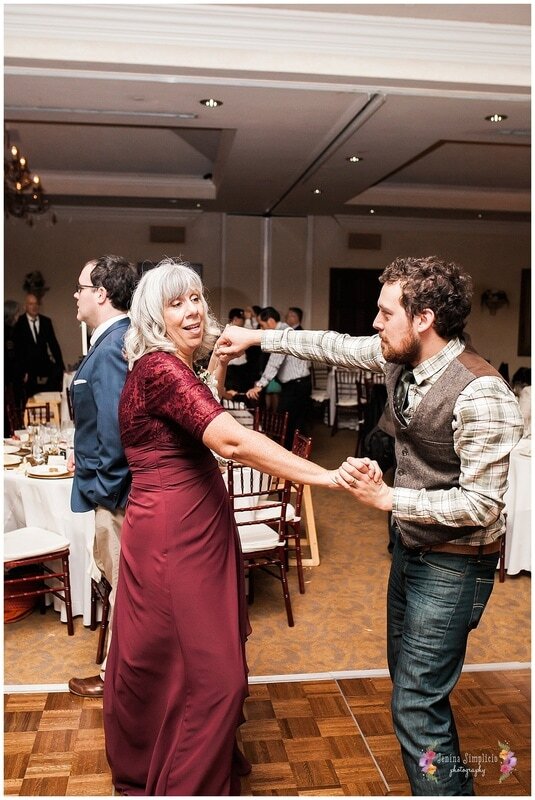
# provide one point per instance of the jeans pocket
(482, 593)
(445, 562)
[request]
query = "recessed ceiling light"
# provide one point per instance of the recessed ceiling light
(316, 191)
(372, 210)
(496, 117)
(354, 159)
(211, 103)
(197, 205)
(480, 216)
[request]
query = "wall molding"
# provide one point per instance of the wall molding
(274, 36)
(307, 83)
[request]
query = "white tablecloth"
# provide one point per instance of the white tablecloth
(518, 507)
(46, 503)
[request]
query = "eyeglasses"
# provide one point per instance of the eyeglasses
(80, 286)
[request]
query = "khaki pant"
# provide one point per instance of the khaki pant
(106, 552)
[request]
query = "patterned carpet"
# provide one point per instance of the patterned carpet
(339, 622)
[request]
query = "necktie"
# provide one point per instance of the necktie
(401, 397)
(34, 329)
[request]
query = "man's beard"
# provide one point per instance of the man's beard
(407, 352)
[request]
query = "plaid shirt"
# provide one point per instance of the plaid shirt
(282, 366)
(486, 425)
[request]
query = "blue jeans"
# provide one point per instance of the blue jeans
(434, 601)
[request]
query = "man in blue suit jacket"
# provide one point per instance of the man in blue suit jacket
(101, 478)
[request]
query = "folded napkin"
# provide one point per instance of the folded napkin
(57, 461)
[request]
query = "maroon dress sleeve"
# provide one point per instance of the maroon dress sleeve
(175, 394)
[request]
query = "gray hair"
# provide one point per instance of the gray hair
(155, 291)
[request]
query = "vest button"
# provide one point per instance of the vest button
(401, 472)
(404, 452)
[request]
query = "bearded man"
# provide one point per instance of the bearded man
(455, 422)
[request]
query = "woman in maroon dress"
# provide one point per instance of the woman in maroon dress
(176, 676)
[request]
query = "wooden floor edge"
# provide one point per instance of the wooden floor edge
(506, 666)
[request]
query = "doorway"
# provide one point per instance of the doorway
(353, 297)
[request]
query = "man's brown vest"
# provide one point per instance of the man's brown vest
(424, 447)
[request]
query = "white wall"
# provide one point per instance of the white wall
(281, 261)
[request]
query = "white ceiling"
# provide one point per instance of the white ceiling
(94, 93)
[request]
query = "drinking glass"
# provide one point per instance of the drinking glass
(38, 448)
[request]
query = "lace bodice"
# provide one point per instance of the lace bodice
(164, 403)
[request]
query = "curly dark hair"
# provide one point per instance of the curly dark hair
(118, 276)
(433, 283)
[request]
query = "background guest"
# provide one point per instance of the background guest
(293, 375)
(38, 357)
(251, 316)
(237, 379)
(294, 318)
(255, 357)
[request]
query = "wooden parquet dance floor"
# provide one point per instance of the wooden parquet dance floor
(308, 738)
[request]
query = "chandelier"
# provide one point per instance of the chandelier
(23, 192)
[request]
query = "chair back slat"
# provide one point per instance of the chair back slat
(301, 446)
(251, 490)
(346, 383)
(319, 373)
(38, 414)
(273, 423)
(69, 403)
(239, 410)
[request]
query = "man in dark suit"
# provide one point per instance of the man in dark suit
(101, 477)
(38, 358)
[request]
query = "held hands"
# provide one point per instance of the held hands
(235, 340)
(368, 471)
(222, 358)
(364, 480)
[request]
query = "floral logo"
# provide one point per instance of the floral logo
(426, 764)
(508, 759)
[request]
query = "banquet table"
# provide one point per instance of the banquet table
(518, 508)
(46, 504)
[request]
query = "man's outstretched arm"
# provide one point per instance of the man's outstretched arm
(235, 340)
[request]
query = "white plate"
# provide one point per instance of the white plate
(11, 448)
(15, 442)
(48, 471)
(11, 461)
